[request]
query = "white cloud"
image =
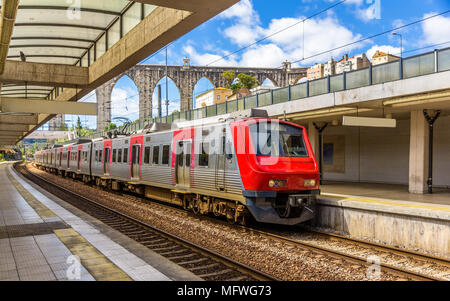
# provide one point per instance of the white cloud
(383, 48)
(125, 103)
(243, 11)
(436, 30)
(321, 34)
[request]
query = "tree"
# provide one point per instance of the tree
(111, 126)
(229, 78)
(79, 126)
(248, 81)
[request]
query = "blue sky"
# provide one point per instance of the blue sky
(251, 20)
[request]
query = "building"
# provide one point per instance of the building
(315, 72)
(381, 57)
(352, 63)
(244, 92)
(262, 89)
(329, 68)
(213, 96)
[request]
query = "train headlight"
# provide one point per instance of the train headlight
(310, 183)
(277, 183)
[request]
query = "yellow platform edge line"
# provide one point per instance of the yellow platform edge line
(42, 210)
(348, 198)
(97, 264)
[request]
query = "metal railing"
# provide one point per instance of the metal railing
(422, 64)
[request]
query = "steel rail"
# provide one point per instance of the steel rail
(243, 268)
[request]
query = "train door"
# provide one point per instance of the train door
(106, 161)
(135, 158)
(69, 153)
(79, 160)
(220, 163)
(183, 163)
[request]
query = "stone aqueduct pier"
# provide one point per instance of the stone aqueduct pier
(185, 77)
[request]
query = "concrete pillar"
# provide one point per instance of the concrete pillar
(104, 105)
(186, 97)
(418, 153)
(313, 135)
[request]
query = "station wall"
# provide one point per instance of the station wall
(381, 155)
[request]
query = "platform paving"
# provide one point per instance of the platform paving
(38, 238)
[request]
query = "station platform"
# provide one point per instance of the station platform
(42, 238)
(440, 196)
(387, 214)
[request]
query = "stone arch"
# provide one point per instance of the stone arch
(154, 86)
(297, 79)
(139, 95)
(275, 84)
(202, 90)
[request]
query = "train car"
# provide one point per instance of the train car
(247, 165)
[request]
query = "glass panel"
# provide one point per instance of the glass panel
(337, 83)
(418, 65)
(84, 61)
(250, 102)
(264, 99)
(298, 91)
(386, 72)
(444, 60)
(281, 95)
(202, 113)
(131, 18)
(211, 111)
(148, 9)
(317, 87)
(221, 108)
(101, 46)
(114, 34)
(358, 78)
(241, 104)
(91, 54)
(232, 106)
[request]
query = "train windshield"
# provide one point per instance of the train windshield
(274, 139)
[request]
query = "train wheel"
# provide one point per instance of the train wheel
(196, 206)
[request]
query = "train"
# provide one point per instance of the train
(245, 166)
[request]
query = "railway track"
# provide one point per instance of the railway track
(268, 234)
(402, 272)
(204, 263)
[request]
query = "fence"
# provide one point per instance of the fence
(423, 64)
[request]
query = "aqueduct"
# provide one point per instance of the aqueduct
(185, 77)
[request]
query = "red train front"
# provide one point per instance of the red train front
(278, 168)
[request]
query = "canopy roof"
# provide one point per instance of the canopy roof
(53, 31)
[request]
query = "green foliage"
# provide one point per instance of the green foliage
(229, 78)
(248, 81)
(244, 81)
(2, 157)
(112, 126)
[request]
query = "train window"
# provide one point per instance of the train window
(166, 154)
(119, 156)
(155, 155)
(203, 159)
(125, 155)
(114, 156)
(147, 155)
(100, 156)
(96, 155)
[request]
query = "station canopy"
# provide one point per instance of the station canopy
(64, 32)
(54, 52)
